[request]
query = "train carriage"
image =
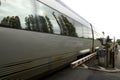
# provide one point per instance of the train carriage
(41, 36)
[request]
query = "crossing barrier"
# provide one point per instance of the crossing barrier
(82, 60)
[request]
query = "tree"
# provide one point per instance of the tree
(12, 22)
(61, 26)
(65, 29)
(118, 41)
(5, 21)
(70, 27)
(49, 24)
(0, 3)
(27, 23)
(30, 22)
(43, 24)
(17, 22)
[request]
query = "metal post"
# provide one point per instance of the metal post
(113, 60)
(107, 51)
(114, 54)
(107, 57)
(92, 38)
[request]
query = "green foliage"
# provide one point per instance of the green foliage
(30, 23)
(43, 24)
(11, 21)
(0, 3)
(118, 41)
(49, 24)
(70, 29)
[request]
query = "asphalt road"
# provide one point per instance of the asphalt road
(85, 74)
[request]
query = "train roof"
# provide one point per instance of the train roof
(61, 7)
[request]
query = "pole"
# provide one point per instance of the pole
(92, 38)
(114, 54)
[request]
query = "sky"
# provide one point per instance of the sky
(104, 15)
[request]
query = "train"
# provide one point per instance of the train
(38, 37)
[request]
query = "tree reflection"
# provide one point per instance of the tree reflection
(30, 22)
(0, 2)
(12, 22)
(49, 24)
(70, 29)
(63, 28)
(43, 24)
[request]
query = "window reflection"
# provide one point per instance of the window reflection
(79, 29)
(30, 22)
(87, 32)
(12, 22)
(62, 26)
(56, 16)
(43, 24)
(55, 22)
(46, 19)
(14, 15)
(50, 26)
(90, 33)
(68, 27)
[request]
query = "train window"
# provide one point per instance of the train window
(85, 32)
(61, 24)
(68, 27)
(16, 14)
(63, 28)
(89, 33)
(79, 29)
(47, 19)
(54, 21)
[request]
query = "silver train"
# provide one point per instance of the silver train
(41, 36)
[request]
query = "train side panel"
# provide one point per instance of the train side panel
(25, 50)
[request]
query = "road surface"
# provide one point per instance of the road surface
(85, 74)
